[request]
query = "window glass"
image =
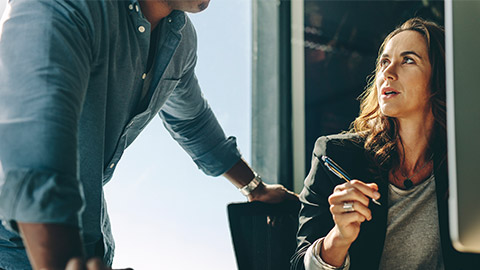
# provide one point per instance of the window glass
(165, 213)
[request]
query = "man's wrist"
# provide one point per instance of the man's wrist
(257, 193)
(252, 186)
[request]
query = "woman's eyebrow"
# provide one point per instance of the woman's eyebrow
(385, 55)
(410, 52)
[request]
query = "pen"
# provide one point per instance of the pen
(339, 172)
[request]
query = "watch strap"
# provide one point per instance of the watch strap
(252, 185)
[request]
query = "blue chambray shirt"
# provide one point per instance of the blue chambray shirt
(72, 77)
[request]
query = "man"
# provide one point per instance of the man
(79, 80)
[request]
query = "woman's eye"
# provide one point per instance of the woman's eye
(408, 60)
(383, 62)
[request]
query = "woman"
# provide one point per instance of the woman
(397, 148)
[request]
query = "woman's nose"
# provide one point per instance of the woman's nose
(390, 72)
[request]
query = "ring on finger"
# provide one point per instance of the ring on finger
(348, 207)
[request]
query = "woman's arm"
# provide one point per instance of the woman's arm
(316, 217)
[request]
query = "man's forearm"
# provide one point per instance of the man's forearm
(240, 174)
(50, 246)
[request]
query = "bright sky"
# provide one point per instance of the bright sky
(165, 213)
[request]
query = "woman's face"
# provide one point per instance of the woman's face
(403, 80)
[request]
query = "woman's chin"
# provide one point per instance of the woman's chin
(390, 111)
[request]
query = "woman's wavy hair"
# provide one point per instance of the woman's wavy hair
(380, 131)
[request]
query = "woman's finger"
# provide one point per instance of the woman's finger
(341, 209)
(369, 190)
(342, 187)
(350, 194)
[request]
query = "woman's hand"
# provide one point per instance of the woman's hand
(349, 208)
(348, 219)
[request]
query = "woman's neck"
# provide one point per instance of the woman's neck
(415, 136)
(414, 160)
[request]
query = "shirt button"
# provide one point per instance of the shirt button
(141, 28)
(112, 165)
(130, 7)
(169, 20)
(144, 75)
(137, 9)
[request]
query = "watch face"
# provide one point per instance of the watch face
(248, 188)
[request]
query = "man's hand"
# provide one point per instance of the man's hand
(241, 174)
(271, 194)
(50, 246)
(92, 264)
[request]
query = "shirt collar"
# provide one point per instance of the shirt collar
(176, 19)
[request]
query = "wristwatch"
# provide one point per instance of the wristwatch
(252, 185)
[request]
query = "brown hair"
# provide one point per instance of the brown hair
(380, 131)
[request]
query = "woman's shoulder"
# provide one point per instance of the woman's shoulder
(347, 150)
(343, 142)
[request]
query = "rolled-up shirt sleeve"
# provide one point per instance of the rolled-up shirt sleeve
(45, 57)
(191, 122)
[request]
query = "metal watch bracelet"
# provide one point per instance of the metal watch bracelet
(252, 185)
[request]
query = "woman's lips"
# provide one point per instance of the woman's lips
(388, 92)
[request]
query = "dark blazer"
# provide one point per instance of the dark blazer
(315, 219)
